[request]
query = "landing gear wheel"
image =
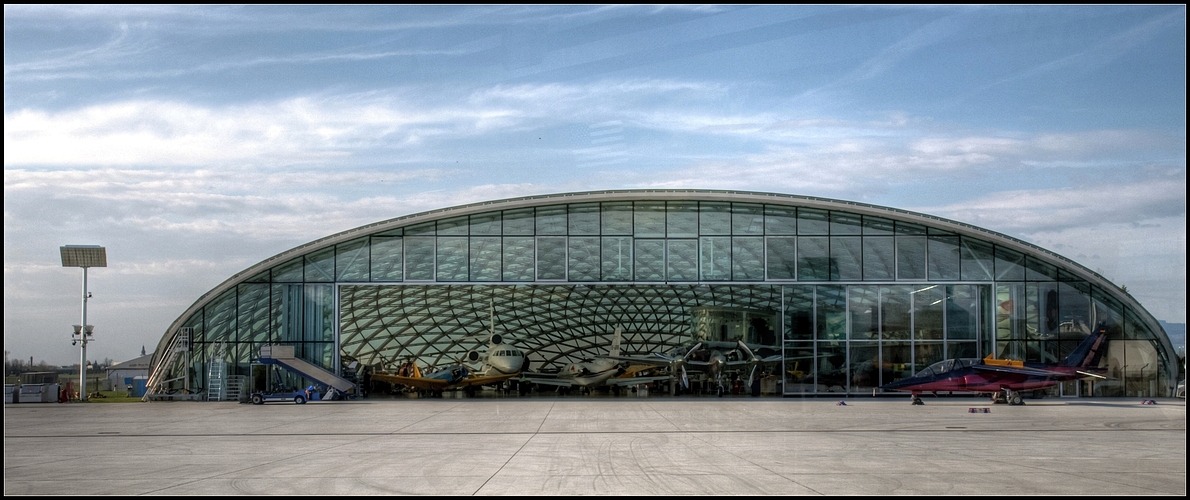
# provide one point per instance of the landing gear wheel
(257, 400)
(1016, 400)
(916, 401)
(299, 400)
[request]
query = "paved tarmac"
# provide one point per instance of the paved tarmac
(598, 446)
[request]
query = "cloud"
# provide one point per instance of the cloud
(1036, 211)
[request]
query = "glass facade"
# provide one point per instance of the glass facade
(851, 300)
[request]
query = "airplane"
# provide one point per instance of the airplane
(601, 371)
(1005, 378)
(706, 356)
(500, 362)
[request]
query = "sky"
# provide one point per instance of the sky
(195, 141)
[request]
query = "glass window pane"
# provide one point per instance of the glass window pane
(682, 260)
(519, 222)
(485, 258)
(583, 257)
(812, 221)
(287, 312)
(944, 257)
(976, 260)
(253, 322)
(351, 260)
(1042, 310)
(813, 257)
(831, 366)
(879, 258)
(221, 318)
(928, 308)
(908, 228)
(584, 219)
(715, 258)
(896, 361)
(894, 312)
(846, 258)
(1036, 270)
(289, 272)
(551, 220)
(650, 259)
(1010, 265)
(962, 312)
(452, 259)
(875, 226)
(419, 258)
(714, 218)
(617, 258)
(843, 223)
(865, 311)
(320, 266)
(486, 224)
(518, 258)
(617, 218)
(681, 219)
(551, 258)
(925, 354)
(961, 350)
(780, 220)
(747, 259)
(799, 368)
(747, 218)
(911, 258)
(649, 219)
(423, 229)
(1074, 310)
(782, 257)
(799, 312)
(831, 312)
(319, 314)
(387, 259)
(453, 227)
(865, 358)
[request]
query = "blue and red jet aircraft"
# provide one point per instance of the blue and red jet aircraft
(1005, 378)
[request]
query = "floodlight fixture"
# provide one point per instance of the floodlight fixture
(83, 256)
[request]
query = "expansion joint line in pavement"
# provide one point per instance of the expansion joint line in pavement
(518, 450)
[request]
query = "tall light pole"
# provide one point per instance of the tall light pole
(83, 256)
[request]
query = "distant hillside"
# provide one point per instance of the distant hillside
(1177, 333)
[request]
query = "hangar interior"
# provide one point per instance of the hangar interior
(851, 295)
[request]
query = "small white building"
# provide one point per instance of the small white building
(128, 369)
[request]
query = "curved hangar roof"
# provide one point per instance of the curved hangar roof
(745, 202)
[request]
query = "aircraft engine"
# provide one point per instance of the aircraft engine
(497, 339)
(473, 356)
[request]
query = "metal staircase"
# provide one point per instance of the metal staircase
(178, 345)
(217, 374)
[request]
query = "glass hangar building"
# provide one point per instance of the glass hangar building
(852, 295)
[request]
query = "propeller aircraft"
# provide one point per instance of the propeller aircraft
(711, 357)
(1005, 378)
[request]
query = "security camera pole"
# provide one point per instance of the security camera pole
(83, 256)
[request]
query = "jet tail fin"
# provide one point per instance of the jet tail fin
(1091, 350)
(614, 350)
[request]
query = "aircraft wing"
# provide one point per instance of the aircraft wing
(559, 382)
(1018, 370)
(635, 380)
(485, 380)
(651, 361)
(415, 382)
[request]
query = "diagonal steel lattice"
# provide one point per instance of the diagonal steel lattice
(556, 324)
